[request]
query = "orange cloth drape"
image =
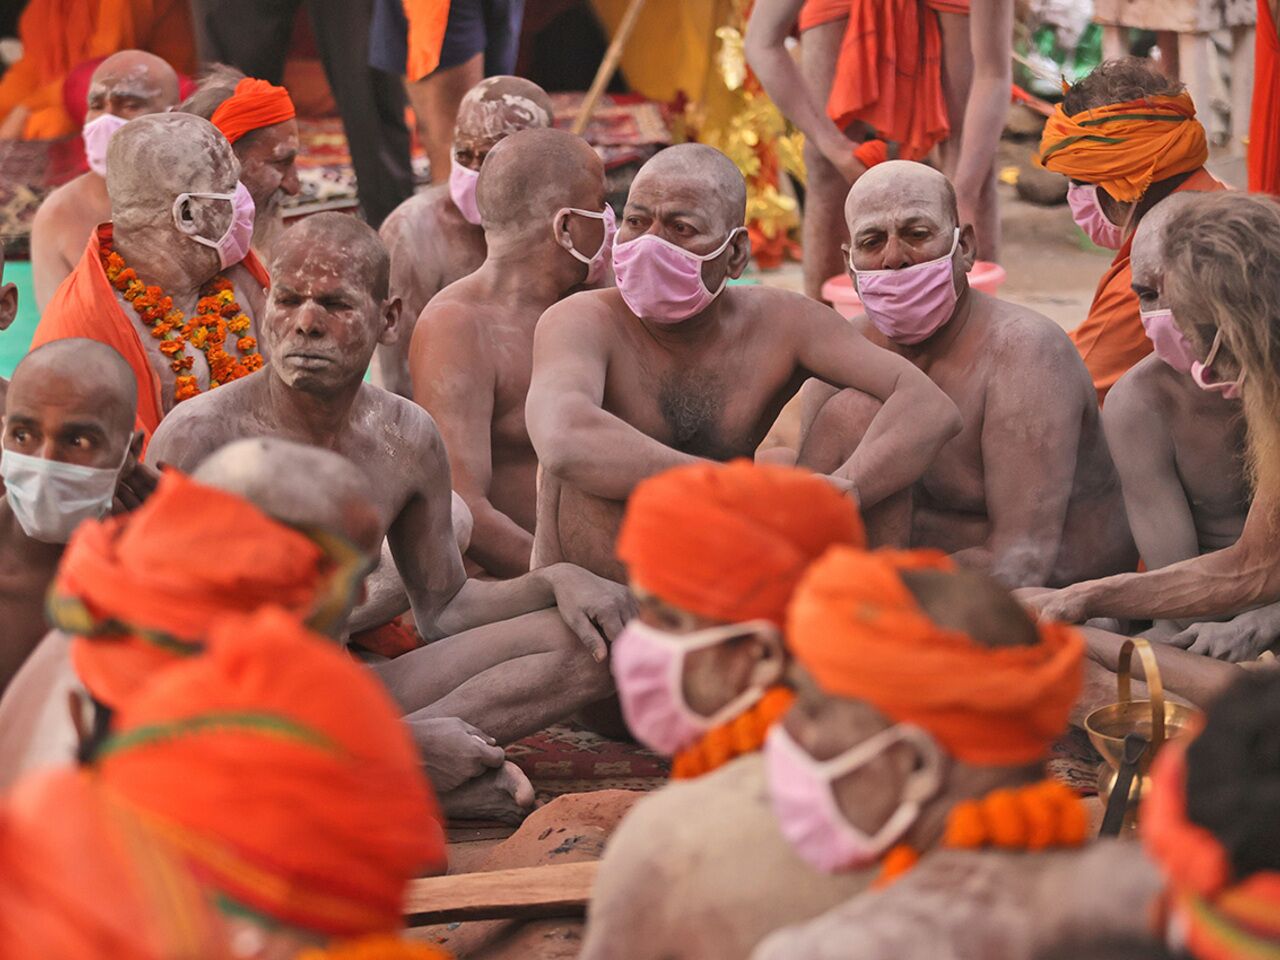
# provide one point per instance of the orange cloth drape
(427, 20)
(139, 591)
(85, 305)
(254, 105)
(59, 34)
(1112, 339)
(859, 632)
(1264, 122)
(282, 771)
(83, 878)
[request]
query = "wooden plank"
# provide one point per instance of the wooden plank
(608, 66)
(557, 890)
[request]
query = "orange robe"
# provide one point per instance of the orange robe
(57, 35)
(1264, 123)
(85, 305)
(1112, 338)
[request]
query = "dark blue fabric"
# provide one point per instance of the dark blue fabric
(491, 27)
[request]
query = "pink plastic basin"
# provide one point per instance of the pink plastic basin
(985, 276)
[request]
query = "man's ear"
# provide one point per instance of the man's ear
(771, 660)
(135, 445)
(739, 253)
(391, 312)
(8, 305)
(560, 228)
(968, 247)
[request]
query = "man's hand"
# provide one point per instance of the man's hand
(594, 608)
(453, 751)
(1242, 638)
(1065, 606)
(135, 487)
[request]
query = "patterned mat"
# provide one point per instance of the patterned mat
(566, 758)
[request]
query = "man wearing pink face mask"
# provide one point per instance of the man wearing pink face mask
(1027, 493)
(170, 283)
(435, 237)
(675, 366)
(127, 84)
(548, 231)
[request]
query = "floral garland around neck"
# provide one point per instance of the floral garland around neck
(217, 316)
(377, 947)
(743, 734)
(1035, 817)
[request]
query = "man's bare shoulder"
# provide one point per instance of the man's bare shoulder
(66, 202)
(422, 211)
(197, 427)
(1139, 397)
(1020, 333)
(407, 428)
(588, 312)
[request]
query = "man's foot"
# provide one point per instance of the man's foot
(505, 795)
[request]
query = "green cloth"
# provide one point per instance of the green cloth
(15, 341)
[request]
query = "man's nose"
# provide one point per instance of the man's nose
(310, 321)
(289, 184)
(896, 255)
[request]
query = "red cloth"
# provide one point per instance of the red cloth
(254, 105)
(283, 773)
(1264, 122)
(85, 305)
(389, 640)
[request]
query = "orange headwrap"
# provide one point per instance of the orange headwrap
(1224, 920)
(83, 878)
(1125, 147)
(730, 541)
(282, 770)
(140, 590)
(861, 634)
(254, 105)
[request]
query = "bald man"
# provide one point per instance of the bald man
(127, 84)
(510, 664)
(1181, 454)
(1027, 492)
(181, 222)
(673, 366)
(68, 438)
(435, 237)
(548, 231)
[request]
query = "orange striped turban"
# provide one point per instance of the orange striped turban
(1125, 147)
(861, 634)
(281, 770)
(730, 541)
(254, 105)
(84, 878)
(139, 591)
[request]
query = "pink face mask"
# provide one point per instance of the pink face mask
(909, 305)
(1086, 211)
(462, 188)
(662, 282)
(597, 264)
(1230, 389)
(233, 245)
(97, 133)
(648, 666)
(1171, 344)
(805, 806)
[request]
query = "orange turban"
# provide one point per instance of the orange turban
(1124, 147)
(283, 772)
(254, 105)
(858, 630)
(1224, 919)
(140, 590)
(730, 541)
(83, 878)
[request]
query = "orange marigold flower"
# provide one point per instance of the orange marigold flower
(375, 947)
(1041, 813)
(185, 388)
(238, 324)
(197, 338)
(246, 344)
(171, 347)
(965, 827)
(253, 363)
(894, 864)
(1004, 818)
(160, 330)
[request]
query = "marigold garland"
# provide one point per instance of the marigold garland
(377, 947)
(1036, 817)
(743, 734)
(217, 315)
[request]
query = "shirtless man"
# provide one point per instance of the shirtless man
(1181, 454)
(936, 679)
(68, 437)
(1027, 493)
(127, 84)
(181, 222)
(968, 111)
(674, 366)
(548, 230)
(510, 664)
(1221, 271)
(259, 120)
(435, 236)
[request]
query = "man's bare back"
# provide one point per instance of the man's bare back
(62, 227)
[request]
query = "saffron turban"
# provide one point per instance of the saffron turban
(254, 105)
(139, 591)
(1224, 918)
(84, 878)
(1124, 147)
(861, 634)
(282, 771)
(730, 541)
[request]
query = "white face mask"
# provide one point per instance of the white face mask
(50, 498)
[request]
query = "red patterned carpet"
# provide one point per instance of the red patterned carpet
(568, 759)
